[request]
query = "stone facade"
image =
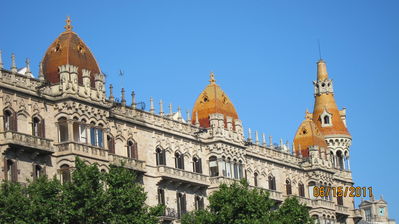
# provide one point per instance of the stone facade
(44, 126)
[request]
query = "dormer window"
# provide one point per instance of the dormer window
(326, 119)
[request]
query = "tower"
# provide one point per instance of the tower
(329, 120)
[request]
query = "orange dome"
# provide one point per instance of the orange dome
(68, 48)
(308, 135)
(325, 105)
(212, 100)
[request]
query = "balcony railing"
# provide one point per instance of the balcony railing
(127, 162)
(179, 174)
(319, 203)
(342, 209)
(27, 141)
(82, 150)
(169, 214)
(222, 180)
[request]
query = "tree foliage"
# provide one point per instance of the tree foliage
(91, 197)
(238, 204)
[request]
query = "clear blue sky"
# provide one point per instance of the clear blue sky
(262, 52)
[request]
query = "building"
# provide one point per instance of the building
(48, 121)
(375, 212)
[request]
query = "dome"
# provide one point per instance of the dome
(68, 48)
(212, 100)
(308, 135)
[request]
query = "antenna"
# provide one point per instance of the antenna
(318, 41)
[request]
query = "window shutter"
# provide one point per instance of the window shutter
(183, 210)
(163, 157)
(43, 129)
(14, 172)
(135, 151)
(199, 165)
(182, 161)
(14, 126)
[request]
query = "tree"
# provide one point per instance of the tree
(91, 197)
(237, 204)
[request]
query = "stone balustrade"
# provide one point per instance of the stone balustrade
(80, 149)
(26, 141)
(183, 175)
(342, 209)
(127, 162)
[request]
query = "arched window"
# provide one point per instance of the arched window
(213, 166)
(301, 190)
(160, 156)
(199, 202)
(235, 165)
(311, 186)
(288, 187)
(340, 160)
(240, 167)
(38, 127)
(179, 160)
(326, 119)
(340, 200)
(272, 183)
(181, 204)
(80, 131)
(65, 172)
(62, 129)
(255, 179)
(111, 144)
(132, 149)
(161, 196)
(37, 171)
(197, 165)
(11, 172)
(9, 120)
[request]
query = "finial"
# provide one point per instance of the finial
(212, 77)
(123, 100)
(152, 105)
(270, 141)
(188, 116)
(179, 117)
(170, 109)
(111, 95)
(196, 119)
(322, 73)
(281, 143)
(308, 116)
(263, 139)
(133, 100)
(41, 75)
(249, 135)
(28, 72)
(13, 64)
(68, 26)
(319, 49)
(1, 60)
(161, 108)
(256, 138)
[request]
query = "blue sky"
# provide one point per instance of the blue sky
(263, 54)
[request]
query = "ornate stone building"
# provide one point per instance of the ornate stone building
(48, 121)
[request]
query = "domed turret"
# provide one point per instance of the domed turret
(308, 135)
(211, 101)
(68, 48)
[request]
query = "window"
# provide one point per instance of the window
(93, 135)
(132, 149)
(340, 200)
(255, 179)
(10, 120)
(301, 190)
(111, 144)
(199, 202)
(213, 166)
(197, 165)
(236, 175)
(179, 161)
(38, 171)
(272, 183)
(38, 127)
(240, 174)
(326, 119)
(340, 160)
(311, 186)
(381, 211)
(65, 172)
(288, 187)
(367, 212)
(161, 196)
(181, 204)
(63, 129)
(11, 172)
(228, 168)
(160, 156)
(96, 135)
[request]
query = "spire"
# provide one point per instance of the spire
(249, 135)
(152, 105)
(188, 116)
(322, 73)
(179, 117)
(111, 95)
(41, 75)
(196, 119)
(123, 100)
(13, 64)
(212, 78)
(170, 109)
(28, 72)
(271, 141)
(263, 139)
(256, 138)
(133, 100)
(1, 61)
(68, 27)
(161, 108)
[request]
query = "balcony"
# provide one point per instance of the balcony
(342, 209)
(319, 203)
(179, 175)
(79, 149)
(127, 162)
(169, 214)
(25, 141)
(222, 180)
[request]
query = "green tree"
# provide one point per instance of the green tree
(238, 204)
